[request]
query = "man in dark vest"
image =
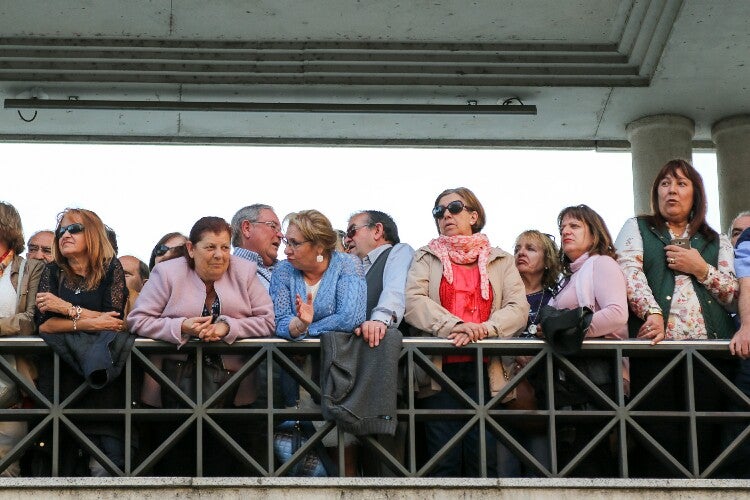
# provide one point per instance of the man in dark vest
(373, 237)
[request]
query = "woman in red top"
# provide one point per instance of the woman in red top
(462, 289)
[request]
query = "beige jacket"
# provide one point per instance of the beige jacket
(510, 310)
(22, 323)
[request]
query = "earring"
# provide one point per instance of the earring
(319, 258)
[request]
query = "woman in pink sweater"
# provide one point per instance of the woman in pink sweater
(592, 279)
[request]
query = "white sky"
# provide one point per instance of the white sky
(144, 192)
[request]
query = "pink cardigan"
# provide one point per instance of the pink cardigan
(174, 292)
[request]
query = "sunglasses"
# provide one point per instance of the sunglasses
(163, 249)
(352, 230)
(70, 228)
(453, 207)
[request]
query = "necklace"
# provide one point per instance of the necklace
(532, 329)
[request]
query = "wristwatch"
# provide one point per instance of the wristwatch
(653, 310)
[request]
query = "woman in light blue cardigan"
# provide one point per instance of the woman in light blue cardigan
(317, 289)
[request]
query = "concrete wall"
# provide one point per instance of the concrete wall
(321, 488)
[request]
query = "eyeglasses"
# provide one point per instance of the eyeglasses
(37, 248)
(274, 227)
(163, 249)
(294, 245)
(550, 236)
(70, 228)
(453, 207)
(352, 230)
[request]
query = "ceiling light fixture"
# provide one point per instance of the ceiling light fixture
(271, 107)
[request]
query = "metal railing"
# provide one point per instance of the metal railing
(619, 422)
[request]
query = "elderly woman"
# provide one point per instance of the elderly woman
(19, 280)
(82, 294)
(462, 289)
(209, 296)
(539, 266)
(316, 290)
(169, 246)
(680, 278)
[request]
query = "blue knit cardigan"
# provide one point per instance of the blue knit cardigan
(339, 304)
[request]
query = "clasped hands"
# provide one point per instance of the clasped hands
(202, 328)
(463, 333)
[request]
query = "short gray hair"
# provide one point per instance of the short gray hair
(250, 213)
(744, 213)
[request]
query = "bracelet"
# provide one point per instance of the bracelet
(76, 317)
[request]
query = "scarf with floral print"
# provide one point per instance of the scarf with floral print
(461, 249)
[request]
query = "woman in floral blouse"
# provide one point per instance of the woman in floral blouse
(680, 282)
(680, 272)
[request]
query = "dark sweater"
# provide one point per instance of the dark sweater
(359, 383)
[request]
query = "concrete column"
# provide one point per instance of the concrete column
(732, 138)
(654, 140)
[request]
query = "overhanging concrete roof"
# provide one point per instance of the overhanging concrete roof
(590, 67)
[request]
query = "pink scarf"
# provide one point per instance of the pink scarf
(464, 250)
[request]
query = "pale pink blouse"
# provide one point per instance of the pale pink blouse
(685, 320)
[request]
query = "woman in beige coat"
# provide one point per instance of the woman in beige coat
(462, 289)
(19, 280)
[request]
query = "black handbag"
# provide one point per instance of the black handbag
(565, 329)
(182, 374)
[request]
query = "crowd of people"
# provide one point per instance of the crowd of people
(667, 276)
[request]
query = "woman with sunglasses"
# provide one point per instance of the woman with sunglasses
(169, 246)
(316, 290)
(82, 293)
(461, 288)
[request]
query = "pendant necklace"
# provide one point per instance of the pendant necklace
(532, 329)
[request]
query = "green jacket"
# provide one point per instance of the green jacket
(661, 279)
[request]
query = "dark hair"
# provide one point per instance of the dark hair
(215, 225)
(390, 230)
(99, 251)
(112, 237)
(143, 270)
(697, 218)
(11, 229)
(601, 239)
(162, 241)
(472, 204)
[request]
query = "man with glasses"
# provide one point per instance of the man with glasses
(40, 246)
(256, 236)
(373, 237)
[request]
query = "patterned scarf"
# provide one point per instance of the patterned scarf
(5, 260)
(464, 250)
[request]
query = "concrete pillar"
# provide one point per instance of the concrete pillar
(654, 140)
(732, 138)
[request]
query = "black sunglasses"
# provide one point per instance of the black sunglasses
(162, 249)
(71, 228)
(453, 207)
